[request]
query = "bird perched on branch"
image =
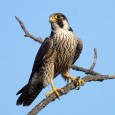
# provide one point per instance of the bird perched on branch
(56, 55)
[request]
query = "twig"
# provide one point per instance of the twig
(95, 59)
(66, 89)
(86, 71)
(27, 34)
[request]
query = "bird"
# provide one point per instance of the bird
(55, 56)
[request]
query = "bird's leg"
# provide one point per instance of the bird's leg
(79, 83)
(54, 90)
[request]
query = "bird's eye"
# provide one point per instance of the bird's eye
(57, 16)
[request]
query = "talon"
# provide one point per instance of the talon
(48, 93)
(55, 90)
(79, 83)
(61, 90)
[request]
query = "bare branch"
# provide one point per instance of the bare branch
(66, 89)
(27, 34)
(95, 59)
(86, 71)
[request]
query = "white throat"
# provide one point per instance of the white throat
(66, 25)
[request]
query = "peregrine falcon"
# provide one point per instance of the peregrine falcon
(56, 55)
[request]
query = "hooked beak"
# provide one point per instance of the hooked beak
(52, 19)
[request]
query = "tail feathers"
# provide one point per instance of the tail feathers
(22, 90)
(27, 97)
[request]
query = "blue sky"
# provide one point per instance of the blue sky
(93, 21)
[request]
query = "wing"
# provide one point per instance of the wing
(78, 49)
(45, 51)
(31, 90)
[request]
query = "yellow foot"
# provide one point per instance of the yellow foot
(55, 90)
(79, 83)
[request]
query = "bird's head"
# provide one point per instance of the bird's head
(59, 21)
